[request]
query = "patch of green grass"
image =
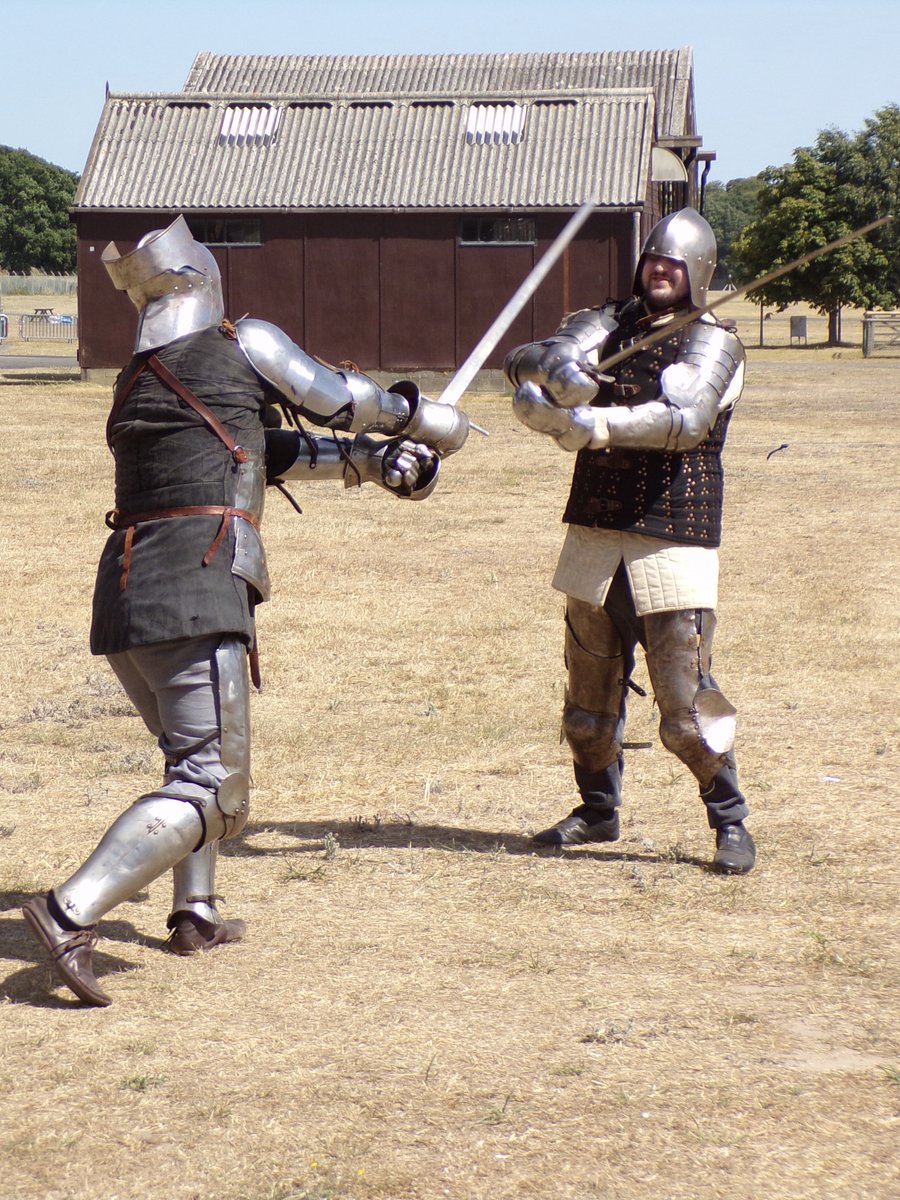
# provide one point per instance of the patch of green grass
(142, 1083)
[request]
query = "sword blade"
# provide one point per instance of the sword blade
(695, 313)
(523, 293)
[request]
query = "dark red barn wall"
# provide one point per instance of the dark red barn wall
(267, 281)
(342, 256)
(392, 292)
(416, 293)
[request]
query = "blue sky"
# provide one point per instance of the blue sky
(769, 75)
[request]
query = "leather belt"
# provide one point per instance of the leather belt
(128, 521)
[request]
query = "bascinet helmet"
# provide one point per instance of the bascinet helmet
(687, 238)
(172, 280)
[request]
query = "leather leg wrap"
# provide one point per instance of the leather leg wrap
(679, 657)
(594, 710)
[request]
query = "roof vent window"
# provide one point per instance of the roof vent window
(249, 125)
(497, 124)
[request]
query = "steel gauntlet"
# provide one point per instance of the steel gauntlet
(407, 469)
(561, 365)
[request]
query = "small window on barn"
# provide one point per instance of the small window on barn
(495, 124)
(249, 125)
(216, 231)
(480, 231)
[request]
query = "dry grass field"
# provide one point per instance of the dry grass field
(424, 1007)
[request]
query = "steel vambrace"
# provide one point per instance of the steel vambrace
(406, 469)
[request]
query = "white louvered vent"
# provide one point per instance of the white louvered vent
(249, 125)
(499, 124)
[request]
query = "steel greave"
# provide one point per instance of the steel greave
(692, 709)
(194, 884)
(233, 793)
(146, 840)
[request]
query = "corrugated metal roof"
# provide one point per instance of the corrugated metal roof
(668, 72)
(367, 150)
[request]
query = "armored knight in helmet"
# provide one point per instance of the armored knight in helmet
(195, 442)
(639, 562)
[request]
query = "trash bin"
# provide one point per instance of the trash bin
(798, 329)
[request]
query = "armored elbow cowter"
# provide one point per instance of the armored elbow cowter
(349, 401)
(558, 364)
(705, 379)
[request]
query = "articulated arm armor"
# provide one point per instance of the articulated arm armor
(421, 431)
(348, 400)
(558, 365)
(705, 380)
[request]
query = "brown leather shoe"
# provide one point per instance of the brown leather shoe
(575, 831)
(192, 935)
(70, 950)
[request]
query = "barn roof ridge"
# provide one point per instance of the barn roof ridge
(394, 133)
(230, 96)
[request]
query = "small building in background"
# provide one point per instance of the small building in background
(384, 208)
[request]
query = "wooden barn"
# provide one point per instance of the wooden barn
(384, 208)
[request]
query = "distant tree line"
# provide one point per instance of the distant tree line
(35, 231)
(838, 185)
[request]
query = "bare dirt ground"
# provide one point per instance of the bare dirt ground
(424, 1007)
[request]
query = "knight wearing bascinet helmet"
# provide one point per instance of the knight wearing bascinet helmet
(639, 563)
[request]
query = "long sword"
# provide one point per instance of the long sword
(695, 313)
(517, 301)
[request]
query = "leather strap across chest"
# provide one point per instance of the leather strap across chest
(127, 521)
(174, 384)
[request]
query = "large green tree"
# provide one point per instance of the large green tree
(829, 190)
(35, 231)
(729, 208)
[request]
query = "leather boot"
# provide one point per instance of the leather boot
(582, 825)
(192, 935)
(70, 951)
(735, 850)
